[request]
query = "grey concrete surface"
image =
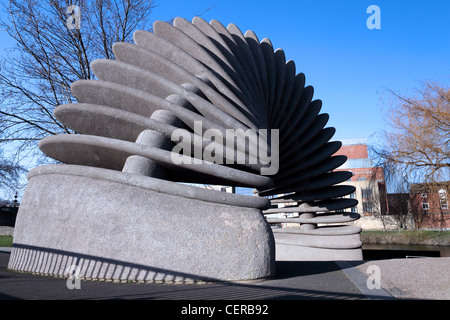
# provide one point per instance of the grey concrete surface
(294, 281)
(413, 278)
(401, 279)
(6, 231)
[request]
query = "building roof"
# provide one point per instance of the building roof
(357, 164)
(429, 187)
(353, 141)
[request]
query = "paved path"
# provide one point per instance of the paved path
(421, 278)
(6, 231)
(295, 280)
(418, 278)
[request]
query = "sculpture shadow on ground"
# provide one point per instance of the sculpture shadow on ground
(295, 280)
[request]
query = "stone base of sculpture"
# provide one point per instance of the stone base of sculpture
(113, 228)
(344, 245)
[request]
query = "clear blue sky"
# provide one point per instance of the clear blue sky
(349, 65)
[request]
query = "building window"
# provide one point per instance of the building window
(360, 179)
(424, 195)
(442, 194)
(425, 206)
(444, 204)
(352, 195)
(354, 210)
(366, 193)
(367, 206)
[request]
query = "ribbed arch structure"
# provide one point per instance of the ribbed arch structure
(197, 77)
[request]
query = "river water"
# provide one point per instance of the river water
(444, 250)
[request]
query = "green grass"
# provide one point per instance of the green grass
(6, 241)
(406, 237)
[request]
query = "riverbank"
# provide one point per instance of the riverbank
(413, 237)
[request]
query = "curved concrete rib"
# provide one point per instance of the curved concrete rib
(110, 153)
(119, 124)
(150, 61)
(319, 241)
(319, 194)
(154, 43)
(330, 231)
(328, 207)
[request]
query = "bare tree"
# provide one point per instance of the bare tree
(399, 196)
(416, 149)
(9, 175)
(419, 140)
(49, 56)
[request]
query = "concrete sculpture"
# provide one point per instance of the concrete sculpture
(116, 209)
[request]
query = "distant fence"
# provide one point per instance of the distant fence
(8, 216)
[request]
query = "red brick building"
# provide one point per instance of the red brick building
(367, 179)
(429, 205)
